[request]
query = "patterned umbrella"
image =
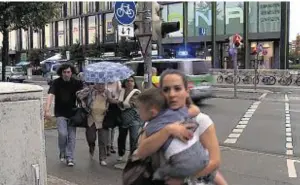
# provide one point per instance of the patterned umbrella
(106, 72)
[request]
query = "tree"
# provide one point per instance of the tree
(77, 54)
(35, 56)
(17, 15)
(124, 48)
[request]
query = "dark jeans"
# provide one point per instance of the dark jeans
(133, 136)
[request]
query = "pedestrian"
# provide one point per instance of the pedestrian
(96, 98)
(111, 117)
(63, 90)
(129, 119)
(174, 87)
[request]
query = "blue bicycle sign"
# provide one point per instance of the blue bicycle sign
(125, 12)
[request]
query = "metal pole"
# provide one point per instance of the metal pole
(235, 72)
(147, 24)
(185, 24)
(255, 71)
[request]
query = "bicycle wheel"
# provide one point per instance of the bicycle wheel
(238, 79)
(298, 81)
(289, 81)
(271, 80)
(220, 79)
(229, 79)
(247, 80)
(282, 81)
(255, 80)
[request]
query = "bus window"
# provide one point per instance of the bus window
(200, 68)
(162, 66)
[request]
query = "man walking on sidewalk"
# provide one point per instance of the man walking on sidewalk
(64, 90)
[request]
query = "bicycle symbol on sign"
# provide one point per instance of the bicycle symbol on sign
(125, 9)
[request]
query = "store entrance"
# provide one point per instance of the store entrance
(226, 60)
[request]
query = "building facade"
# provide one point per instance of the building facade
(207, 26)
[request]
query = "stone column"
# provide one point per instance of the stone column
(22, 140)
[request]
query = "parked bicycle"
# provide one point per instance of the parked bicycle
(286, 79)
(228, 77)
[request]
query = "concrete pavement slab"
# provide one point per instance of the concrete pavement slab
(225, 113)
(239, 167)
(246, 168)
(265, 131)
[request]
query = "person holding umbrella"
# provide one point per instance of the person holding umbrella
(96, 98)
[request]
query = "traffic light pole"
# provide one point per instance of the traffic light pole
(235, 72)
(145, 42)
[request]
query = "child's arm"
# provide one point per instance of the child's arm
(193, 110)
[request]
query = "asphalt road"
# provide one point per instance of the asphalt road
(254, 151)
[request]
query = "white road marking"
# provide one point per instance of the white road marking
(291, 168)
(288, 129)
(262, 96)
(242, 124)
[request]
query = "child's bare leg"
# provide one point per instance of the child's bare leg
(219, 179)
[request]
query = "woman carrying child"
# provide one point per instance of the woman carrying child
(173, 85)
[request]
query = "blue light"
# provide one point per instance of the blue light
(183, 53)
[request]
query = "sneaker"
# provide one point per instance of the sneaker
(121, 158)
(103, 163)
(70, 163)
(62, 157)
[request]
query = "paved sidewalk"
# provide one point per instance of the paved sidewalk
(51, 180)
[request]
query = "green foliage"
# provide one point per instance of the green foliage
(95, 50)
(17, 15)
(124, 48)
(35, 56)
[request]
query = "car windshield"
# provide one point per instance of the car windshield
(55, 67)
(18, 69)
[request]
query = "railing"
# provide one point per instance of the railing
(263, 77)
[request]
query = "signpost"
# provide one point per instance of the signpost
(202, 32)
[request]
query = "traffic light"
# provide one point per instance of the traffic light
(235, 41)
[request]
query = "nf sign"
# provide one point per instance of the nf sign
(125, 12)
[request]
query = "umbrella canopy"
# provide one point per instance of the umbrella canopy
(23, 63)
(106, 72)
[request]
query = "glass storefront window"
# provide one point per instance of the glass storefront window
(203, 18)
(191, 19)
(234, 17)
(253, 17)
(109, 28)
(269, 17)
(35, 39)
(266, 59)
(83, 30)
(61, 34)
(75, 30)
(100, 28)
(47, 36)
(92, 29)
(24, 39)
(220, 18)
(175, 13)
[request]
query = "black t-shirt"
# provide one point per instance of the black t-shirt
(65, 96)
